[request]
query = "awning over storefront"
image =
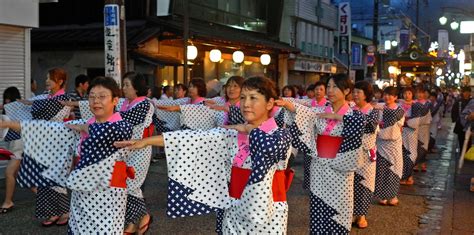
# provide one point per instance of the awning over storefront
(90, 36)
(156, 59)
(220, 34)
(306, 65)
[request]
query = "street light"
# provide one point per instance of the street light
(454, 25)
(443, 20)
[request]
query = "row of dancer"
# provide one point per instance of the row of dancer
(262, 146)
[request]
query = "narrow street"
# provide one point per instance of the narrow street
(438, 203)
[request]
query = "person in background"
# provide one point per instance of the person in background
(167, 93)
(309, 92)
(180, 91)
(299, 91)
(456, 111)
(34, 87)
(80, 93)
(15, 146)
(288, 91)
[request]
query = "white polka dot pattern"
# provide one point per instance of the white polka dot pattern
(200, 117)
(171, 120)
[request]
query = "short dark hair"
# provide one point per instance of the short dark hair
(291, 88)
(237, 79)
(391, 90)
(106, 82)
(81, 79)
(263, 85)
(320, 83)
(410, 89)
(200, 85)
(342, 82)
(310, 87)
(166, 88)
(138, 81)
(434, 94)
(11, 93)
(366, 88)
(182, 86)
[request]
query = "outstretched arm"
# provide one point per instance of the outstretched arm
(13, 125)
(156, 140)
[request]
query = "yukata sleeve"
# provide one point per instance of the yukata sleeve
(235, 116)
(85, 110)
(137, 114)
(50, 144)
(393, 132)
(414, 121)
(198, 164)
(17, 111)
(170, 120)
(348, 158)
(256, 202)
(198, 117)
(303, 130)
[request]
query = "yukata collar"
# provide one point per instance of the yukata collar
(114, 118)
(197, 100)
(364, 109)
(268, 125)
(126, 105)
(58, 93)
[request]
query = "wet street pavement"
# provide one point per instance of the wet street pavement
(438, 203)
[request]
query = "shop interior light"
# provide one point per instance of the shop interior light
(215, 55)
(439, 72)
(454, 25)
(443, 20)
(192, 52)
(387, 45)
(238, 57)
(392, 69)
(247, 62)
(265, 59)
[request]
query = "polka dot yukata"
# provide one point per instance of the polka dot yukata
(410, 137)
(98, 205)
(332, 180)
(424, 130)
(139, 113)
(200, 117)
(199, 165)
(364, 177)
(51, 200)
(168, 121)
(389, 153)
(306, 158)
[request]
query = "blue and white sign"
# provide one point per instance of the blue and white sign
(112, 41)
(356, 54)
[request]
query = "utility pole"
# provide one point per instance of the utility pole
(115, 39)
(417, 18)
(375, 30)
(185, 40)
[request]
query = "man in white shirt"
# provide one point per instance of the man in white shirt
(167, 93)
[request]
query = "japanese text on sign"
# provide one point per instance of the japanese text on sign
(344, 19)
(112, 41)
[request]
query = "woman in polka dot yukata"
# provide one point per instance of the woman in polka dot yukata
(138, 111)
(52, 201)
(410, 134)
(333, 136)
(255, 159)
(365, 176)
(389, 150)
(99, 180)
(231, 107)
(424, 127)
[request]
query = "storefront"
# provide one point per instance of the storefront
(305, 71)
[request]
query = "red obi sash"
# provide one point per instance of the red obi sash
(120, 174)
(328, 146)
(147, 132)
(281, 182)
(5, 154)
